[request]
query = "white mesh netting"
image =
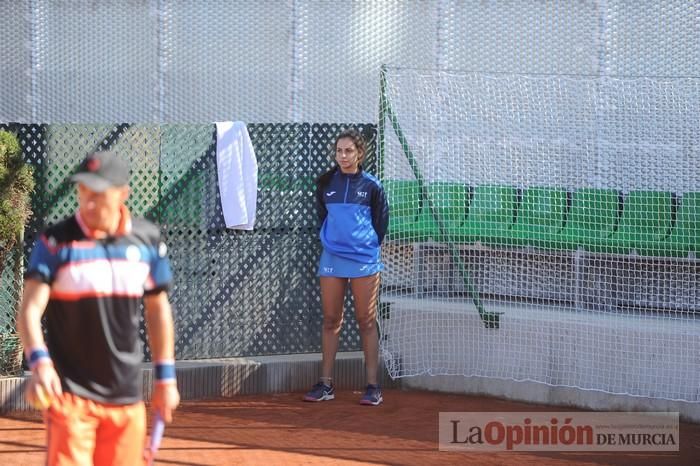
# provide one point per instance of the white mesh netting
(543, 228)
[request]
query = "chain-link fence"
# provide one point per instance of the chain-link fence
(235, 293)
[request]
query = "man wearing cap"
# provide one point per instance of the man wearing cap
(89, 274)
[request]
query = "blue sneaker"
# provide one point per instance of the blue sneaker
(320, 392)
(372, 396)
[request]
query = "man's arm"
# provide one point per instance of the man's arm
(159, 325)
(34, 300)
(44, 377)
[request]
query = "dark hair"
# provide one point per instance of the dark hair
(357, 139)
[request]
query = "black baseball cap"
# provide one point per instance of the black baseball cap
(102, 170)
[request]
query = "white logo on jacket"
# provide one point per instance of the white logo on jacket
(133, 254)
(362, 193)
(329, 194)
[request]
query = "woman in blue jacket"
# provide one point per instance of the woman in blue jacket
(354, 215)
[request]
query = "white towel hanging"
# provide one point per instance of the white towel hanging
(237, 174)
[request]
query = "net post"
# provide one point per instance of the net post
(490, 319)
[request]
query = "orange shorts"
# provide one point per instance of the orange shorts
(85, 432)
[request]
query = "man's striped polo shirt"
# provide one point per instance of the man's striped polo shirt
(93, 314)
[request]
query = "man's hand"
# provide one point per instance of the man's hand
(166, 398)
(43, 387)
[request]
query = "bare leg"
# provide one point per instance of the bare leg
(365, 290)
(332, 297)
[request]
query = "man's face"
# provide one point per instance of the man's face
(101, 210)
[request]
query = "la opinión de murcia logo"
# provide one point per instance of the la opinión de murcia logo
(560, 431)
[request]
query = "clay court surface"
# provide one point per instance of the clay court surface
(281, 429)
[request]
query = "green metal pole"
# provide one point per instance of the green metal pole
(490, 319)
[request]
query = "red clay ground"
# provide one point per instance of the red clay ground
(282, 430)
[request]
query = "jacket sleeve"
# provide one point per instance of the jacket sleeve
(380, 212)
(320, 205)
(43, 262)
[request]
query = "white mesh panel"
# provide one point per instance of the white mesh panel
(564, 209)
(95, 63)
(225, 60)
(16, 81)
(308, 61)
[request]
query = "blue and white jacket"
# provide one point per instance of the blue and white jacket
(354, 215)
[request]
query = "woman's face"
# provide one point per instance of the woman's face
(347, 155)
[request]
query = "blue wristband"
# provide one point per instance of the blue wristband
(165, 371)
(37, 355)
